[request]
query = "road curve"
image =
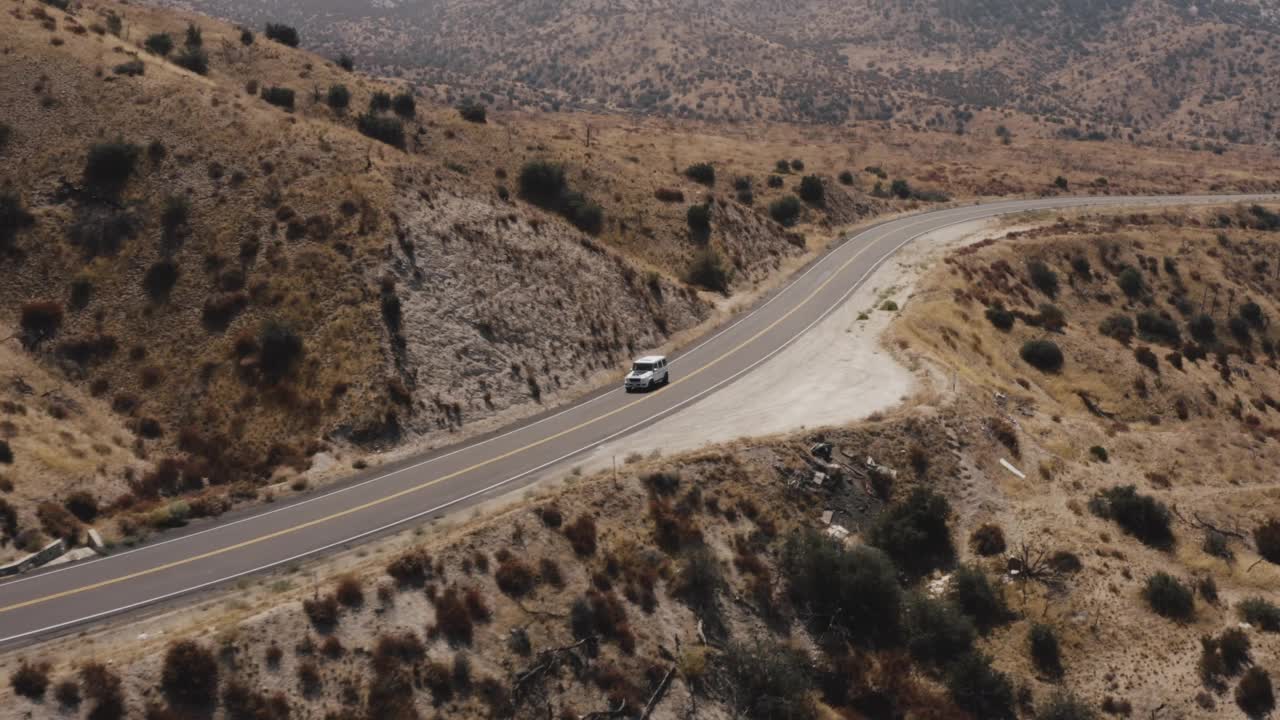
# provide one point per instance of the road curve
(59, 599)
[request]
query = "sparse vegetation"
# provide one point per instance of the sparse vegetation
(383, 129)
(283, 34)
(785, 210)
(279, 96)
(1044, 355)
(1142, 516)
(703, 173)
(1167, 596)
(190, 675)
(914, 532)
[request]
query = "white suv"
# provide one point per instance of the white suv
(647, 373)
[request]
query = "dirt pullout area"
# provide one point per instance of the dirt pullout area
(836, 373)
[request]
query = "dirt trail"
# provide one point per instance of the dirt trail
(836, 373)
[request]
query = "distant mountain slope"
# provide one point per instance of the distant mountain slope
(1149, 67)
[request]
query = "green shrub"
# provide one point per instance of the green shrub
(1142, 516)
(1000, 318)
(1045, 279)
(702, 172)
(1099, 453)
(1234, 646)
(542, 183)
(159, 43)
(1254, 694)
(855, 590)
(1080, 264)
(1045, 654)
(584, 213)
(1051, 317)
(339, 97)
(346, 62)
(14, 218)
(1260, 612)
(1203, 329)
(30, 680)
(39, 321)
(160, 279)
(901, 189)
(1043, 355)
(193, 59)
(514, 577)
(774, 181)
(283, 34)
(846, 177)
(700, 580)
(1252, 314)
(404, 105)
(937, 632)
(973, 594)
(133, 68)
(812, 191)
(785, 210)
(1118, 327)
(189, 677)
(987, 540)
(1239, 328)
(1064, 706)
(380, 101)
(109, 165)
(472, 111)
(699, 219)
(709, 271)
(980, 689)
(383, 129)
(1159, 327)
(770, 680)
(1267, 537)
(279, 96)
(280, 350)
(1168, 597)
(581, 534)
(246, 37)
(782, 166)
(1130, 281)
(914, 532)
(194, 37)
(1146, 358)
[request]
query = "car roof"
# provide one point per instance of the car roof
(651, 358)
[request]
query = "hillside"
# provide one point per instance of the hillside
(1131, 570)
(1145, 70)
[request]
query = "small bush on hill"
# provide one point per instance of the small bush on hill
(39, 322)
(472, 111)
(83, 505)
(937, 632)
(159, 44)
(812, 191)
(282, 34)
(1252, 314)
(1234, 646)
(514, 577)
(987, 540)
(1168, 597)
(379, 101)
(774, 181)
(279, 96)
(194, 59)
(1045, 279)
(30, 680)
(973, 594)
(856, 590)
(914, 532)
(1267, 536)
(785, 210)
(346, 62)
(1064, 706)
(1000, 318)
(770, 680)
(1142, 516)
(1050, 317)
(1043, 355)
(339, 97)
(13, 219)
(1254, 694)
(1045, 654)
(383, 129)
(1118, 327)
(846, 177)
(133, 68)
(1203, 329)
(699, 219)
(1130, 281)
(1159, 327)
(160, 279)
(349, 591)
(58, 523)
(709, 271)
(280, 348)
(582, 535)
(404, 105)
(322, 611)
(67, 693)
(190, 675)
(412, 567)
(110, 164)
(703, 173)
(1260, 612)
(982, 690)
(246, 37)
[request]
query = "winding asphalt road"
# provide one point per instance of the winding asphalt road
(60, 599)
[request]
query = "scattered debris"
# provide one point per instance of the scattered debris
(839, 532)
(877, 467)
(821, 450)
(937, 587)
(827, 515)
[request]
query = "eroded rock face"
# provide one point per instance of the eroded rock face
(497, 309)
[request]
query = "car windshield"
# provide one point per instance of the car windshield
(641, 367)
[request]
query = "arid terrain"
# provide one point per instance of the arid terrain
(1158, 71)
(241, 261)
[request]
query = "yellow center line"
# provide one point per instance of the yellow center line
(444, 478)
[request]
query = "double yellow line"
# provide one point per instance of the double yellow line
(444, 478)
